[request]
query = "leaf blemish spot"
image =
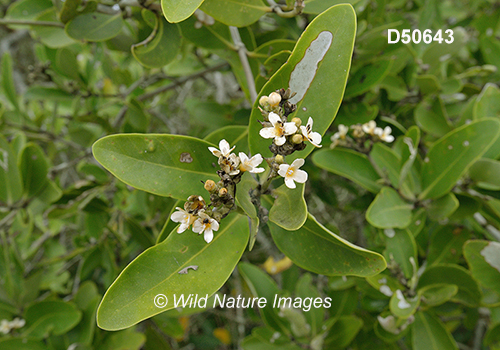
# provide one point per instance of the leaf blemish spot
(186, 158)
(184, 249)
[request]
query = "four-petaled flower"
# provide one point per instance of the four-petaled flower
(384, 134)
(250, 164)
(313, 137)
(184, 218)
(205, 224)
(370, 127)
(341, 134)
(225, 149)
(292, 173)
(279, 129)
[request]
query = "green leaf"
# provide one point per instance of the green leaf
(289, 210)
(166, 165)
(8, 81)
(367, 77)
(236, 135)
(55, 317)
(21, 344)
(428, 84)
(403, 307)
(483, 258)
(66, 64)
(27, 9)
(323, 51)
(351, 164)
(34, 169)
(450, 157)
(124, 340)
(437, 294)
(402, 248)
(488, 102)
(434, 52)
(178, 10)
(47, 93)
(356, 113)
(445, 245)
(94, 26)
(389, 210)
(244, 201)
(429, 333)
(343, 332)
(160, 47)
(130, 299)
(87, 300)
(485, 173)
(53, 37)
(11, 186)
(263, 286)
(238, 13)
(443, 207)
(315, 316)
(319, 250)
(69, 10)
(430, 115)
(387, 162)
(468, 290)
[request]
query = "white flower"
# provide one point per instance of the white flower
(279, 129)
(341, 134)
(384, 134)
(249, 164)
(5, 327)
(224, 147)
(370, 127)
(292, 173)
(313, 137)
(17, 323)
(185, 219)
(207, 225)
(230, 164)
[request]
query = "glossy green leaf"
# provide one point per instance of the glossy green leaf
(485, 173)
(289, 210)
(450, 157)
(66, 64)
(263, 286)
(27, 9)
(317, 71)
(244, 201)
(387, 162)
(166, 165)
(214, 37)
(437, 294)
(8, 80)
(238, 13)
(21, 344)
(389, 210)
(47, 93)
(236, 135)
(343, 332)
(130, 299)
(488, 102)
(178, 10)
(11, 185)
(401, 247)
(483, 258)
(271, 66)
(443, 207)
(94, 26)
(69, 10)
(87, 299)
(315, 316)
(160, 47)
(430, 115)
(55, 317)
(468, 290)
(124, 340)
(351, 164)
(429, 333)
(428, 84)
(367, 77)
(253, 342)
(53, 37)
(34, 169)
(319, 250)
(402, 306)
(445, 245)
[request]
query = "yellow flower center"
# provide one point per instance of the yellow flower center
(290, 171)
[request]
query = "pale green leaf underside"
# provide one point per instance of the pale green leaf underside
(130, 299)
(178, 10)
(389, 210)
(289, 210)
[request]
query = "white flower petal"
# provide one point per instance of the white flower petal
(198, 226)
(243, 157)
(315, 138)
(389, 138)
(183, 227)
(256, 160)
(274, 118)
(214, 224)
(209, 235)
(300, 176)
(280, 140)
(257, 170)
(215, 151)
(178, 216)
(310, 122)
(289, 128)
(283, 169)
(297, 163)
(267, 133)
(289, 183)
(303, 130)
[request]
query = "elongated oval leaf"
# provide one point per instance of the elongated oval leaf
(402, 248)
(389, 210)
(443, 207)
(34, 169)
(367, 77)
(289, 210)
(161, 47)
(178, 10)
(428, 333)
(451, 156)
(166, 165)
(316, 249)
(485, 172)
(56, 317)
(317, 71)
(21, 344)
(11, 187)
(131, 298)
(238, 13)
(351, 164)
(483, 258)
(94, 26)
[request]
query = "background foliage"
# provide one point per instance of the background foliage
(75, 71)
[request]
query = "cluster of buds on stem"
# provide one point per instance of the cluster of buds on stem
(7, 326)
(360, 134)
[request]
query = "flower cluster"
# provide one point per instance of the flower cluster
(7, 326)
(361, 133)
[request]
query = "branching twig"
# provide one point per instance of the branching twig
(242, 52)
(297, 10)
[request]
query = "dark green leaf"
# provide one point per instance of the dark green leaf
(389, 210)
(94, 26)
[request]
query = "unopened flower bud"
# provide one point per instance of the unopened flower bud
(222, 192)
(297, 138)
(209, 185)
(194, 203)
(263, 101)
(297, 121)
(274, 99)
(279, 159)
